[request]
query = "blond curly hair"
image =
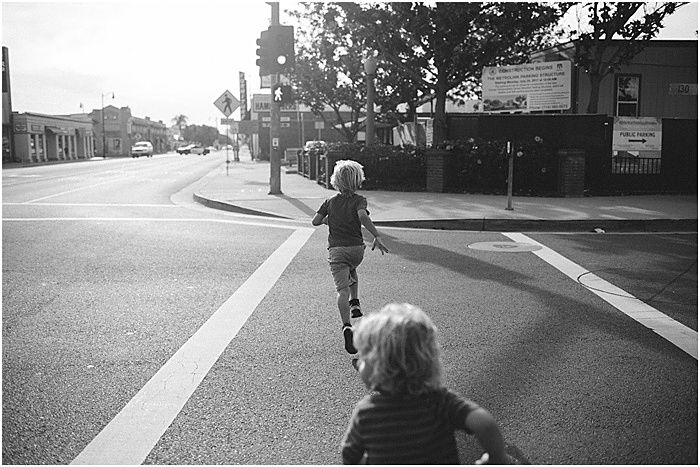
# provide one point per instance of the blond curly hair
(400, 345)
(347, 176)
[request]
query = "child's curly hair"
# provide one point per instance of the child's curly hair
(400, 345)
(347, 175)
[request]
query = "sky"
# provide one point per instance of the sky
(159, 58)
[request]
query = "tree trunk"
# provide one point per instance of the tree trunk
(440, 122)
(594, 79)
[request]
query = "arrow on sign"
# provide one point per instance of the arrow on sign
(637, 140)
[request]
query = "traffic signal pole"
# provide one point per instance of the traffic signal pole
(275, 152)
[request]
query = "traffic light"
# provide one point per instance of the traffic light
(281, 48)
(283, 93)
(264, 60)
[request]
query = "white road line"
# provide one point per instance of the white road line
(132, 434)
(678, 334)
(69, 191)
(105, 205)
(148, 219)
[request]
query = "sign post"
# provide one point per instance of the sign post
(227, 103)
(510, 149)
(275, 106)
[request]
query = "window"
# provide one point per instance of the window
(627, 96)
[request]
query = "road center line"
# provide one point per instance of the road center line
(678, 334)
(132, 434)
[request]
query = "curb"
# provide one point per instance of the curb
(214, 204)
(500, 225)
(540, 225)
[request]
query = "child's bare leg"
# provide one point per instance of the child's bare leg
(354, 291)
(344, 304)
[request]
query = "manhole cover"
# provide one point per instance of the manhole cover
(509, 247)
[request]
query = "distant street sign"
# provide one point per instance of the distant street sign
(241, 126)
(227, 103)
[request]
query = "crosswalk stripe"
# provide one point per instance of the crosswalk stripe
(132, 434)
(678, 334)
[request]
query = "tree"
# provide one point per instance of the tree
(203, 134)
(443, 48)
(595, 52)
(328, 71)
(180, 121)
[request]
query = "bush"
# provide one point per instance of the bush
(481, 166)
(390, 168)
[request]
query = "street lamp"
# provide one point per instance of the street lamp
(104, 145)
(370, 69)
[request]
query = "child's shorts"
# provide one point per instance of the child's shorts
(343, 261)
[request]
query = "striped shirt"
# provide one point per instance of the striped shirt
(406, 430)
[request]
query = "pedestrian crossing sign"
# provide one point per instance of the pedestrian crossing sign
(227, 103)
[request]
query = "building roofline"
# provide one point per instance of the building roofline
(57, 117)
(650, 43)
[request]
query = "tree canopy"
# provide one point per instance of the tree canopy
(424, 51)
(633, 24)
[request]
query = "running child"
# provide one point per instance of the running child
(410, 418)
(346, 213)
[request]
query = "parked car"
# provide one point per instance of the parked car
(211, 149)
(184, 149)
(142, 148)
(198, 149)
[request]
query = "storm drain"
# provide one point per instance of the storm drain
(506, 247)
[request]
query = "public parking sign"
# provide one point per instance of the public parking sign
(637, 134)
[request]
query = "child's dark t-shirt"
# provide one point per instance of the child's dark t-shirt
(344, 228)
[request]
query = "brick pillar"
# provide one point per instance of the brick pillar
(436, 170)
(572, 171)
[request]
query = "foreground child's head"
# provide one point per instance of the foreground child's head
(398, 349)
(347, 176)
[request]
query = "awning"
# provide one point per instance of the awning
(58, 131)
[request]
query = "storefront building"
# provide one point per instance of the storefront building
(118, 130)
(144, 129)
(46, 138)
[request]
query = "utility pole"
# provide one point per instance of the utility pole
(275, 156)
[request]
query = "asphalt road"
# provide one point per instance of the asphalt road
(118, 289)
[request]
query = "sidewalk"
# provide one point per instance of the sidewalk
(245, 190)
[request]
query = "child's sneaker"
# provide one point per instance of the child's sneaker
(355, 308)
(347, 335)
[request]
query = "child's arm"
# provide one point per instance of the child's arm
(369, 225)
(318, 220)
(486, 430)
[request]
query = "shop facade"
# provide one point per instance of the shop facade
(45, 138)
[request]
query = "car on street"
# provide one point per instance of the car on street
(184, 149)
(198, 149)
(142, 148)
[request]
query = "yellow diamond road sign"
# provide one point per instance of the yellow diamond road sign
(227, 103)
